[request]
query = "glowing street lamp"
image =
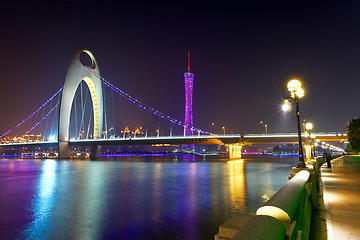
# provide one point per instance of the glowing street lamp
(296, 92)
(265, 125)
(286, 107)
(309, 127)
(223, 129)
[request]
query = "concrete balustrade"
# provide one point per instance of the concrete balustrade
(236, 228)
(291, 207)
(271, 228)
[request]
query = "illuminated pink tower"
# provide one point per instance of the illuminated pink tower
(189, 80)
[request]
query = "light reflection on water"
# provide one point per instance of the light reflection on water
(167, 197)
(43, 203)
(237, 184)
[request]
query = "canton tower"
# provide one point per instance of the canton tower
(189, 79)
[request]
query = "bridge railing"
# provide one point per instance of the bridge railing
(286, 215)
(268, 135)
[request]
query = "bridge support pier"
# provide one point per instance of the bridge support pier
(95, 152)
(64, 150)
(234, 151)
(307, 151)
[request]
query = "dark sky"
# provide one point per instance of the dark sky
(242, 56)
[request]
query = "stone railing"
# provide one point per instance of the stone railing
(286, 215)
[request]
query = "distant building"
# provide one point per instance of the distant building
(289, 148)
(189, 124)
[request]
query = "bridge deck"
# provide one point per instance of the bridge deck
(246, 139)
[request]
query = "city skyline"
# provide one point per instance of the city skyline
(243, 58)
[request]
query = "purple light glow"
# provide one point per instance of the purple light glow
(135, 154)
(18, 156)
(131, 99)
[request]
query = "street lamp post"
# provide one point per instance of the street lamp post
(312, 139)
(294, 87)
(309, 127)
(223, 129)
(265, 125)
(316, 144)
(301, 163)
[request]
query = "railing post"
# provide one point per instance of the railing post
(95, 152)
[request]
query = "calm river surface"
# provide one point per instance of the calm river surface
(148, 197)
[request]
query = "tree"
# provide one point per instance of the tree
(354, 134)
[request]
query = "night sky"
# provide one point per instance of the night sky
(242, 56)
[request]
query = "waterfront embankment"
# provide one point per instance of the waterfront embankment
(286, 215)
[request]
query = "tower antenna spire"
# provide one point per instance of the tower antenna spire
(188, 62)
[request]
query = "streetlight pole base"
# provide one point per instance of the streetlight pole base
(301, 165)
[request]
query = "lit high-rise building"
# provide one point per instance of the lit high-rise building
(189, 79)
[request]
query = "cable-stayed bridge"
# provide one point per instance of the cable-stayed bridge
(90, 111)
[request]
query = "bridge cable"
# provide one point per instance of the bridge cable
(145, 107)
(55, 116)
(122, 115)
(155, 112)
(88, 128)
(82, 110)
(113, 110)
(47, 120)
(171, 129)
(106, 125)
(43, 118)
(43, 114)
(76, 119)
(83, 106)
(44, 111)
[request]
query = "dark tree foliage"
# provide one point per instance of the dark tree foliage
(354, 134)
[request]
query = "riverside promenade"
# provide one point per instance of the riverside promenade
(341, 185)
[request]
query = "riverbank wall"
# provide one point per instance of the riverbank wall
(286, 215)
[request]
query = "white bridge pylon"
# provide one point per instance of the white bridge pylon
(77, 73)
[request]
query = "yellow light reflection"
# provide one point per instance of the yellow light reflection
(329, 179)
(268, 186)
(237, 183)
(333, 197)
(308, 151)
(157, 191)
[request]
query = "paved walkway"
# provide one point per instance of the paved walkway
(342, 197)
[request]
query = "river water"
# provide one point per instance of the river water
(132, 197)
